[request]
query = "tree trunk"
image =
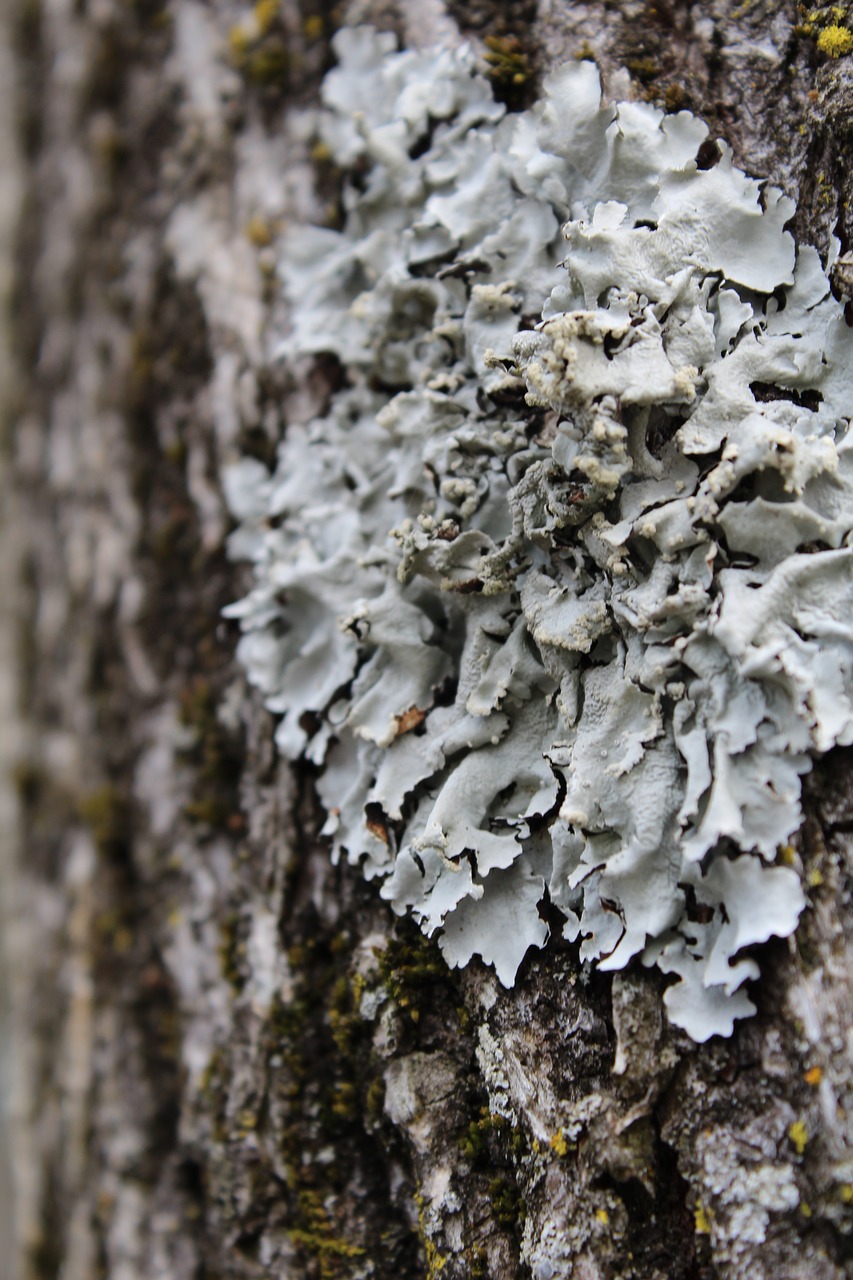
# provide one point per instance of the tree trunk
(229, 1058)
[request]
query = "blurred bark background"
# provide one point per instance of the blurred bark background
(222, 1056)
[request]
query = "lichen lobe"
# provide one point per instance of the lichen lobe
(557, 607)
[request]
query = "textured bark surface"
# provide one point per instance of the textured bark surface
(229, 1059)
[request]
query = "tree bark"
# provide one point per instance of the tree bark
(229, 1059)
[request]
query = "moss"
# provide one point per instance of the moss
(348, 1027)
(28, 20)
(436, 1261)
(232, 951)
(258, 48)
(509, 69)
(505, 1202)
(106, 812)
(674, 96)
(644, 68)
(478, 1263)
(315, 1234)
(314, 27)
(216, 759)
(345, 1101)
(265, 13)
(268, 67)
(409, 967)
(375, 1099)
(113, 935)
(324, 1245)
(329, 1113)
(213, 1092)
(29, 781)
(491, 1138)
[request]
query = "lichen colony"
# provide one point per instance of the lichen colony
(558, 595)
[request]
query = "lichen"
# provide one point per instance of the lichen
(557, 605)
(835, 41)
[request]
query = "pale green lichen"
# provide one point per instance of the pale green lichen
(559, 606)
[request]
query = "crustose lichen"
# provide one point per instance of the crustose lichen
(558, 593)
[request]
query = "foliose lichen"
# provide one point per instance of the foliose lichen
(557, 596)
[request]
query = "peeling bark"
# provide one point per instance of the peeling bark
(230, 1059)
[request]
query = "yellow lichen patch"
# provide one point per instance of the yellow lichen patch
(602, 1216)
(266, 12)
(846, 1193)
(259, 232)
(436, 1261)
(238, 43)
(122, 941)
(701, 1219)
(805, 1209)
(813, 1076)
(787, 854)
(558, 1143)
(798, 1135)
(258, 48)
(835, 42)
(814, 879)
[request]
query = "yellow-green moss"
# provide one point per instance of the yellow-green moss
(231, 953)
(435, 1260)
(505, 1202)
(409, 967)
(316, 1234)
(266, 12)
(106, 812)
(215, 757)
(375, 1098)
(313, 27)
(258, 47)
(643, 68)
(508, 68)
(491, 1131)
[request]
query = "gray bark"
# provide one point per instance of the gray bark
(229, 1059)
